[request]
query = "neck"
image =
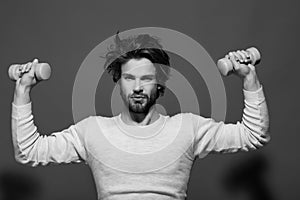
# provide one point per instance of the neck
(140, 119)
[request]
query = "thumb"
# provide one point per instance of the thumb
(244, 69)
(32, 68)
(251, 67)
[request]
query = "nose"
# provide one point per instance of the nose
(138, 87)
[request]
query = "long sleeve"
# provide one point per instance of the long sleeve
(250, 133)
(33, 149)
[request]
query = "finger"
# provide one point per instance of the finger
(247, 54)
(238, 56)
(235, 55)
(28, 66)
(34, 63)
(238, 59)
(20, 68)
(32, 67)
(31, 70)
(251, 67)
(23, 69)
(35, 60)
(242, 56)
(232, 58)
(232, 55)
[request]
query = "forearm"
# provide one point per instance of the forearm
(251, 82)
(24, 133)
(255, 115)
(21, 95)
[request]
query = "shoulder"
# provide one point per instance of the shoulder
(188, 117)
(92, 121)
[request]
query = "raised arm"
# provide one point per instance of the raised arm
(29, 145)
(250, 133)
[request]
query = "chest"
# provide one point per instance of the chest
(116, 148)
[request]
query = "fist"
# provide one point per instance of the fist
(241, 63)
(28, 79)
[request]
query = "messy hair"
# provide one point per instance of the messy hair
(137, 47)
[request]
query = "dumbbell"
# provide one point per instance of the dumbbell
(42, 71)
(225, 65)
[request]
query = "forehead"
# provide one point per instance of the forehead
(139, 67)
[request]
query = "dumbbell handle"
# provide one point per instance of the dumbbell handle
(42, 71)
(225, 65)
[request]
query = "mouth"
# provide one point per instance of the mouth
(138, 97)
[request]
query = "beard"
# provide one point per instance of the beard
(142, 103)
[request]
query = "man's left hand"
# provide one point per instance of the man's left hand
(242, 68)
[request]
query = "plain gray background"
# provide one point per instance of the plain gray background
(62, 33)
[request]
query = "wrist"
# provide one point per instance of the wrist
(21, 95)
(251, 82)
(21, 90)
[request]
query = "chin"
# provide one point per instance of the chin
(137, 108)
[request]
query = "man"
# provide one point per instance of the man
(137, 64)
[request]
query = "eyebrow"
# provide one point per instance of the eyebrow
(144, 76)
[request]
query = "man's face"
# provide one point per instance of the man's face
(138, 85)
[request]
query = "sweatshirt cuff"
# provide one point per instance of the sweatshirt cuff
(21, 110)
(254, 96)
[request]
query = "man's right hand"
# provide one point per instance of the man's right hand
(27, 80)
(25, 83)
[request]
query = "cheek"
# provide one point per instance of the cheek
(150, 88)
(125, 88)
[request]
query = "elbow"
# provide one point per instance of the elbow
(24, 159)
(260, 140)
(264, 134)
(258, 134)
(256, 138)
(264, 139)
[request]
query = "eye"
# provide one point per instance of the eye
(148, 78)
(128, 78)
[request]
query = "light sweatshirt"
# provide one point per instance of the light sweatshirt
(140, 162)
